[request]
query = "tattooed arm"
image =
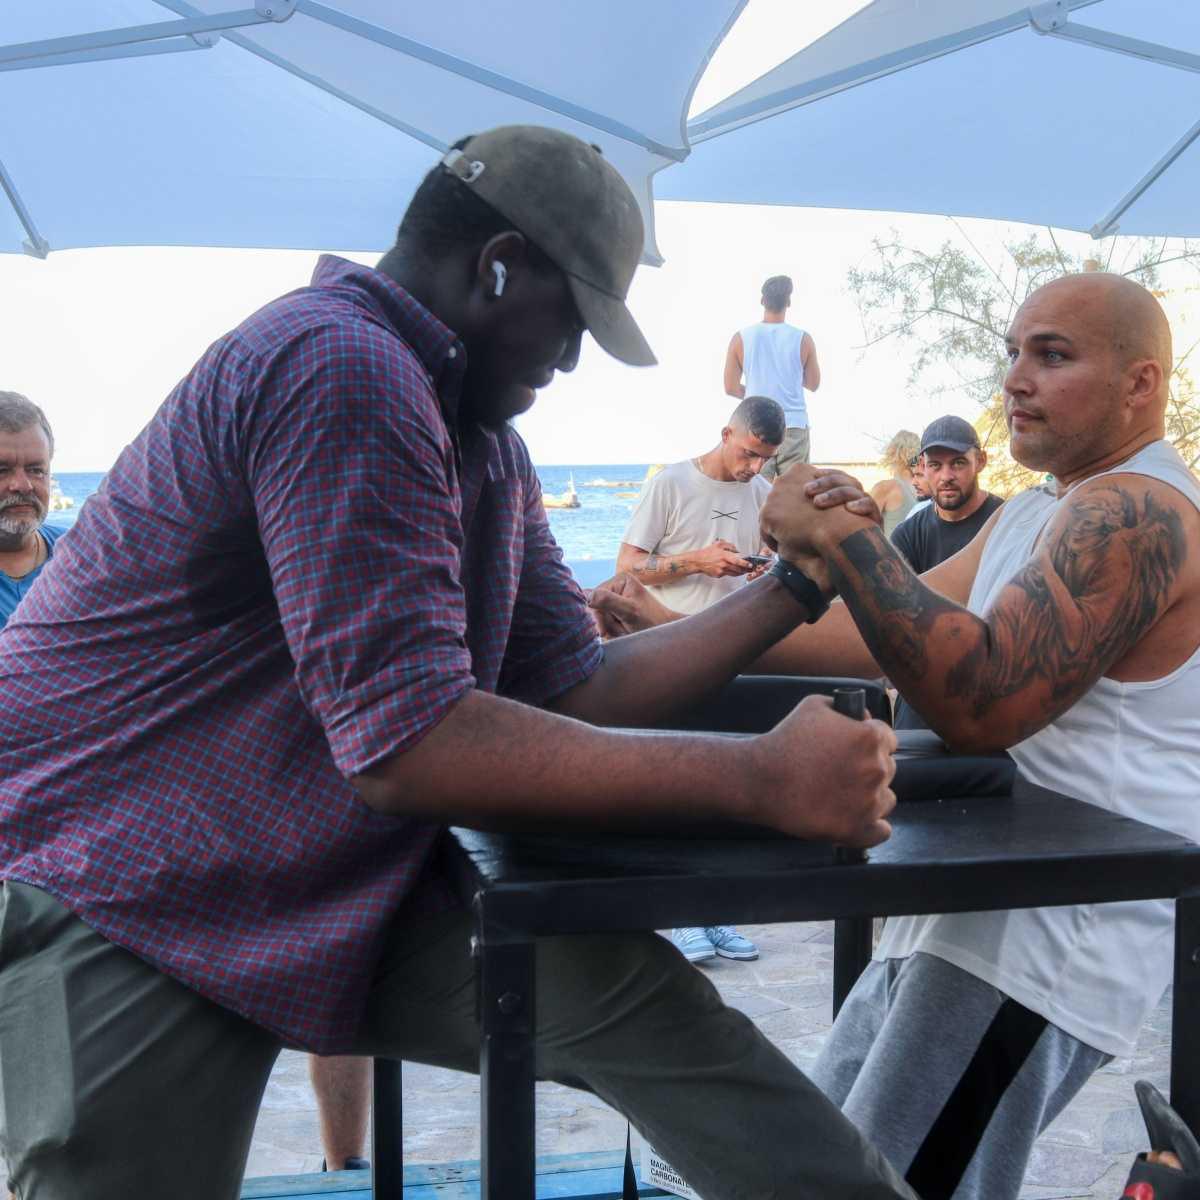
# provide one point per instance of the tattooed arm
(834, 646)
(1106, 570)
(719, 559)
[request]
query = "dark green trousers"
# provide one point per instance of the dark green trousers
(117, 1082)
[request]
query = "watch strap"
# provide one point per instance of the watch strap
(802, 587)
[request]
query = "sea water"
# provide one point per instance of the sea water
(76, 486)
(606, 493)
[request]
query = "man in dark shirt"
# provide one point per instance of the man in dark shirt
(953, 459)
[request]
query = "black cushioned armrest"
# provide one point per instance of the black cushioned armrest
(926, 770)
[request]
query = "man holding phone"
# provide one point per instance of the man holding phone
(694, 533)
(692, 540)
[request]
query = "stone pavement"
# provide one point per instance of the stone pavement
(1084, 1154)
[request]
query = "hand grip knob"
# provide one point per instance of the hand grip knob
(850, 702)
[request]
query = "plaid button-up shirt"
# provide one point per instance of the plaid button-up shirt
(295, 571)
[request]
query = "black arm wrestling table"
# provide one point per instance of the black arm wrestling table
(947, 855)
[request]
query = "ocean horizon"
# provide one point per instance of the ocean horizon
(607, 493)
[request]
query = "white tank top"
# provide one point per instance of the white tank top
(1094, 970)
(771, 367)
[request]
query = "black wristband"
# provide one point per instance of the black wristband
(802, 588)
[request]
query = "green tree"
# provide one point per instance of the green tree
(951, 307)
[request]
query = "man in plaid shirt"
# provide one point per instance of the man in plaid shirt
(314, 615)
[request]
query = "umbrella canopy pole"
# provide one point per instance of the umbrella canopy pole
(84, 46)
(34, 243)
(1053, 20)
(726, 116)
(491, 79)
(134, 41)
(170, 45)
(1109, 224)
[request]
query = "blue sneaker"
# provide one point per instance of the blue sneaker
(728, 943)
(352, 1164)
(693, 944)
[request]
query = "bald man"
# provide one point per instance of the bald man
(1067, 632)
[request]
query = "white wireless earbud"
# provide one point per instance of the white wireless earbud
(501, 273)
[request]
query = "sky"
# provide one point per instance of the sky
(99, 337)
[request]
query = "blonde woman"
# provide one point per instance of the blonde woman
(896, 496)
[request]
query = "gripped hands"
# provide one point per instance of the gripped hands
(622, 605)
(812, 506)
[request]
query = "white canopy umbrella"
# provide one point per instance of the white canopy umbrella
(294, 123)
(981, 108)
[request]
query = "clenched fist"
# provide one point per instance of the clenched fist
(822, 775)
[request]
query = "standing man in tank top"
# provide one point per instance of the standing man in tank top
(778, 360)
(1068, 633)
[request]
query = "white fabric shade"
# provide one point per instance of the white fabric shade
(961, 107)
(314, 130)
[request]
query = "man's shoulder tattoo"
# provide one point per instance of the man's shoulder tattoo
(1097, 587)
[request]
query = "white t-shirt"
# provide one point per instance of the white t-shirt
(1094, 970)
(681, 509)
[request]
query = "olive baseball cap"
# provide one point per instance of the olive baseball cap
(565, 196)
(950, 433)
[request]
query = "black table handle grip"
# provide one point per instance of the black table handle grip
(850, 702)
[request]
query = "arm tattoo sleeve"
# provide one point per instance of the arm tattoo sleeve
(892, 608)
(1091, 593)
(1098, 586)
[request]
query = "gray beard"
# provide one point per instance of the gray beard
(11, 542)
(13, 532)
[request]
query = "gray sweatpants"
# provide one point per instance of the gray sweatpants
(949, 1077)
(118, 1081)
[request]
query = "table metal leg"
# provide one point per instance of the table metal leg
(387, 1131)
(851, 953)
(506, 1070)
(1185, 1025)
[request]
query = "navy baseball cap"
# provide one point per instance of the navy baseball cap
(950, 433)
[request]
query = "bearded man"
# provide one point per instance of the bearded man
(1068, 633)
(26, 445)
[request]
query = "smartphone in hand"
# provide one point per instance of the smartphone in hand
(758, 560)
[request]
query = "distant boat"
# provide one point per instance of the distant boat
(612, 483)
(59, 502)
(567, 499)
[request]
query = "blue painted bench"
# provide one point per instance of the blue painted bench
(588, 1176)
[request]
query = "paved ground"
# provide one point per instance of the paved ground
(786, 992)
